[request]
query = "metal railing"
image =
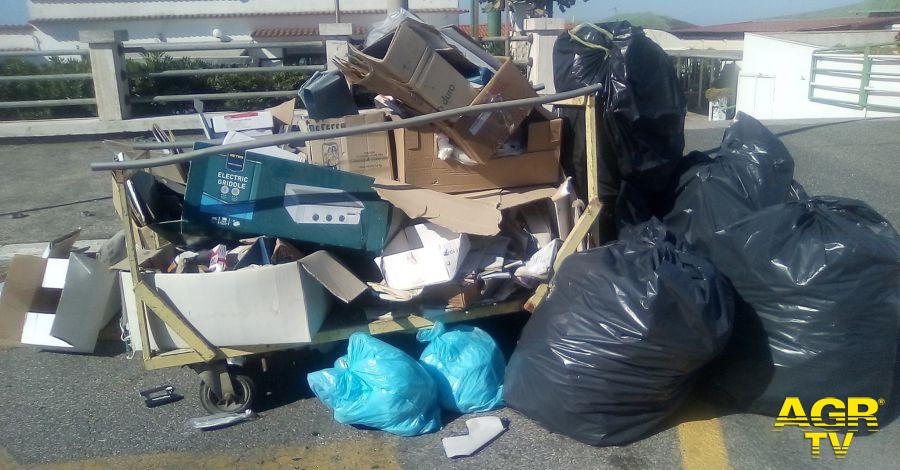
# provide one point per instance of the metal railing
(856, 79)
(507, 41)
(23, 104)
(307, 46)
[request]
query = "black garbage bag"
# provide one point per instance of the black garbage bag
(614, 348)
(821, 304)
(640, 110)
(751, 170)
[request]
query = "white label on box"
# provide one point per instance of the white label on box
(244, 121)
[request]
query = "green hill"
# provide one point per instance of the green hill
(650, 20)
(860, 9)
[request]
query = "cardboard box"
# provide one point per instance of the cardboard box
(254, 122)
(367, 154)
(57, 304)
(422, 255)
(436, 85)
(277, 304)
(418, 164)
(255, 194)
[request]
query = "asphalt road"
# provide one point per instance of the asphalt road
(71, 411)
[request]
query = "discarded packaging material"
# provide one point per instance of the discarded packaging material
(221, 420)
(325, 95)
(422, 255)
(367, 154)
(482, 431)
(418, 162)
(260, 195)
(275, 304)
(250, 122)
(57, 304)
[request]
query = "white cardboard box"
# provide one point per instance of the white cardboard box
(258, 122)
(268, 305)
(422, 255)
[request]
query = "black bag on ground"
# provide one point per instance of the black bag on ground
(752, 170)
(819, 281)
(614, 348)
(640, 109)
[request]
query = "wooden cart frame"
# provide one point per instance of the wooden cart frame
(212, 362)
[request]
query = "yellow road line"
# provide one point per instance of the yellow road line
(357, 454)
(702, 444)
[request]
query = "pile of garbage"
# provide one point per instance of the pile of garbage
(727, 278)
(724, 276)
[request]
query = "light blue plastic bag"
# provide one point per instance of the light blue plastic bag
(379, 386)
(467, 366)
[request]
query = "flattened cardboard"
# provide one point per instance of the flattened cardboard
(366, 154)
(417, 162)
(275, 304)
(440, 85)
(259, 121)
(452, 212)
(22, 293)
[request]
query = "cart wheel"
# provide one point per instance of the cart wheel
(245, 391)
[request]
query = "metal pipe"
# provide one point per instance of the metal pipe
(49, 76)
(296, 137)
(46, 53)
(213, 96)
(215, 46)
(337, 11)
(42, 103)
(232, 70)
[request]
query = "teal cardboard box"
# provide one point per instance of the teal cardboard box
(254, 194)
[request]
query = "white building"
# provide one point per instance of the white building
(777, 79)
(56, 24)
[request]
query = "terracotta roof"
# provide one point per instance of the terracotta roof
(785, 26)
(175, 16)
(16, 28)
(264, 33)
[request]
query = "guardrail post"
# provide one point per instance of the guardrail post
(337, 41)
(543, 33)
(108, 72)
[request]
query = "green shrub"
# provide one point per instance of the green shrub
(139, 86)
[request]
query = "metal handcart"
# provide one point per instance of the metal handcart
(226, 381)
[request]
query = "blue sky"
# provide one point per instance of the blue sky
(694, 11)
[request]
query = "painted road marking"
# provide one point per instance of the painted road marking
(702, 442)
(365, 454)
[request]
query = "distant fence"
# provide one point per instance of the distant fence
(19, 104)
(862, 79)
(115, 87)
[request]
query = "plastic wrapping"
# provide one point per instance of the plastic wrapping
(614, 348)
(379, 386)
(752, 170)
(641, 108)
(466, 365)
(325, 95)
(819, 283)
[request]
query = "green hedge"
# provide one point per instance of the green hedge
(139, 85)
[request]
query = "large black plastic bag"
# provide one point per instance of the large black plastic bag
(752, 170)
(821, 284)
(640, 110)
(615, 347)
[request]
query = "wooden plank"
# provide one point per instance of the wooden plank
(591, 149)
(175, 321)
(571, 102)
(585, 223)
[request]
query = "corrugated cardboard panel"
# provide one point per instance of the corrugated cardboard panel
(22, 293)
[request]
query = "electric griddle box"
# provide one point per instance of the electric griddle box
(254, 194)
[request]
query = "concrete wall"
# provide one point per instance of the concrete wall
(48, 10)
(775, 77)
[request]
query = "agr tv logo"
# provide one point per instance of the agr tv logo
(829, 415)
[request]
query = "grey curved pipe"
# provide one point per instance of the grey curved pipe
(296, 137)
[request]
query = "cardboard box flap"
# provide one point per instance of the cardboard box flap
(88, 303)
(504, 199)
(283, 114)
(21, 295)
(456, 213)
(334, 276)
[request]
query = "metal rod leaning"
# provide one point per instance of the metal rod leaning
(297, 137)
